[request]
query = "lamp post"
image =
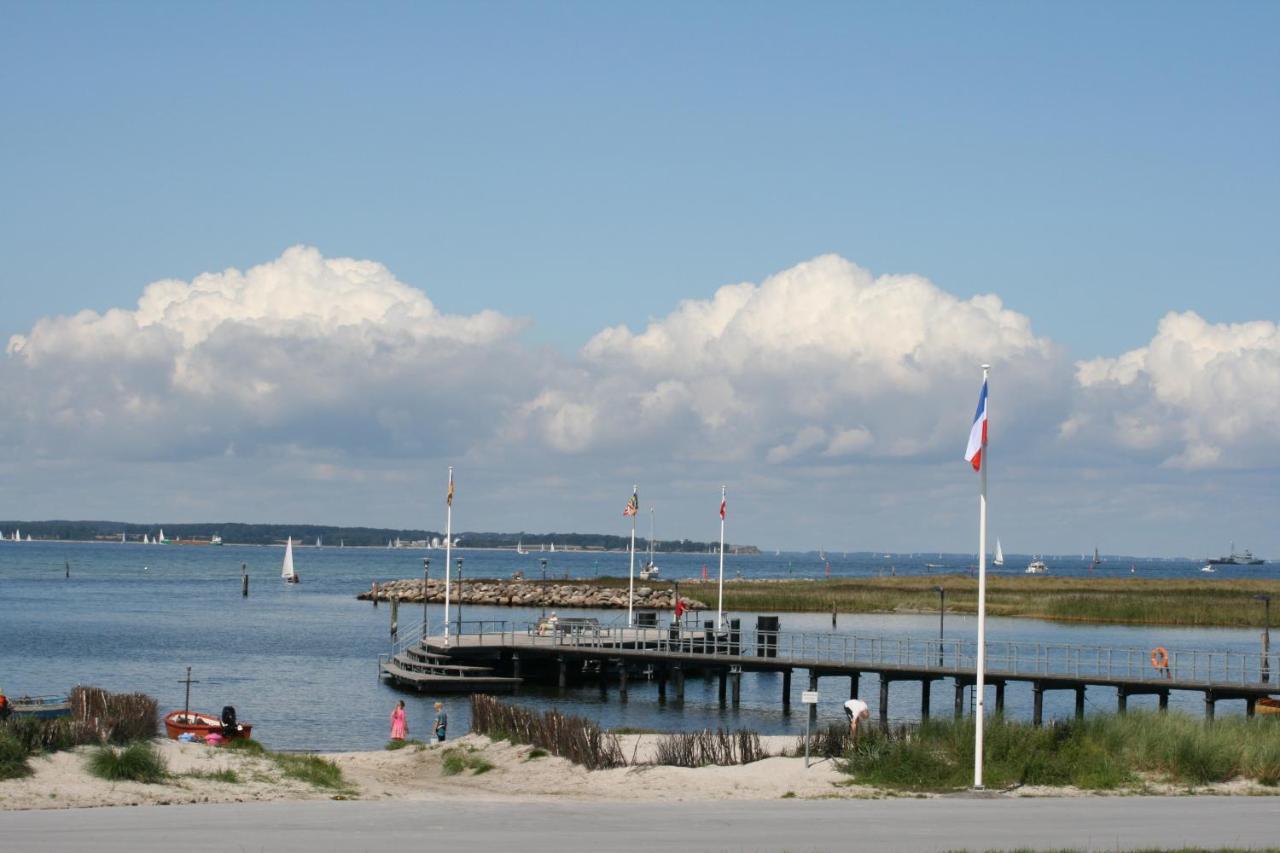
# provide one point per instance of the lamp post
(1265, 598)
(426, 570)
(942, 615)
(542, 594)
(459, 596)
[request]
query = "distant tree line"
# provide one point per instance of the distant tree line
(267, 534)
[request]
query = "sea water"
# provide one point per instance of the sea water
(300, 661)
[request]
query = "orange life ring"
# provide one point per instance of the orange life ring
(1160, 657)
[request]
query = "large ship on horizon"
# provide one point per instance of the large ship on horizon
(1243, 558)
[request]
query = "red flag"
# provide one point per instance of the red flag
(722, 505)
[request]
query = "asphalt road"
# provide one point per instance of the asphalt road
(1093, 823)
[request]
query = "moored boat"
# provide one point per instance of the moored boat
(40, 707)
(1267, 705)
(178, 723)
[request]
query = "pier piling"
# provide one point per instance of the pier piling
(622, 680)
(737, 687)
(786, 690)
(853, 684)
(1122, 700)
(662, 685)
(884, 702)
(724, 676)
(564, 671)
(244, 580)
(925, 685)
(960, 685)
(1080, 702)
(1037, 707)
(813, 709)
(677, 672)
(999, 697)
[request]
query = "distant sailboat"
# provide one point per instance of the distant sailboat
(286, 571)
(520, 547)
(999, 560)
(650, 569)
(122, 539)
(553, 547)
(318, 545)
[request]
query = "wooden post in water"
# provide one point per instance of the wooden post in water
(884, 701)
(999, 697)
(813, 708)
(724, 675)
(374, 594)
(737, 687)
(1080, 702)
(622, 680)
(244, 580)
(960, 685)
(395, 616)
(68, 568)
(678, 672)
(925, 684)
(786, 690)
(1037, 703)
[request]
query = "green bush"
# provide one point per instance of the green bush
(139, 762)
(13, 757)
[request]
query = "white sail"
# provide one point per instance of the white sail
(286, 570)
(553, 547)
(999, 560)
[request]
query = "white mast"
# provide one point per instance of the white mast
(979, 709)
(720, 605)
(631, 572)
(448, 551)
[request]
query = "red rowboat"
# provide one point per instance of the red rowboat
(190, 722)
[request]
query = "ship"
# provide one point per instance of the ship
(1242, 558)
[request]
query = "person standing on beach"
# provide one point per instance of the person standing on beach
(442, 721)
(399, 727)
(856, 710)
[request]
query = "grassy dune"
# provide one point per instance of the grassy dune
(1223, 603)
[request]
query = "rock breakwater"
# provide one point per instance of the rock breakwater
(527, 594)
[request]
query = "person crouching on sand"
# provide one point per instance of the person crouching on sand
(399, 726)
(856, 710)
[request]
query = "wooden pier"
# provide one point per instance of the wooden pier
(582, 652)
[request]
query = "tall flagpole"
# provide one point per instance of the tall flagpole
(631, 573)
(979, 707)
(720, 605)
(448, 552)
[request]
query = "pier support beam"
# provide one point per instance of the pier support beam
(813, 709)
(677, 672)
(563, 666)
(515, 664)
(1037, 703)
(925, 684)
(602, 676)
(737, 687)
(622, 680)
(786, 690)
(884, 702)
(960, 686)
(1122, 700)
(1209, 701)
(853, 684)
(999, 697)
(724, 677)
(1249, 704)
(1080, 702)
(662, 685)
(1164, 700)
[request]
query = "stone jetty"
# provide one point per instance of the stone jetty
(527, 594)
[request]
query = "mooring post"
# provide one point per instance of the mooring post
(244, 580)
(1209, 701)
(737, 687)
(724, 676)
(515, 664)
(960, 685)
(374, 594)
(1122, 700)
(813, 708)
(884, 701)
(564, 671)
(622, 680)
(854, 677)
(678, 672)
(1037, 705)
(1249, 704)
(395, 616)
(1164, 700)
(925, 684)
(786, 689)
(999, 697)
(1080, 702)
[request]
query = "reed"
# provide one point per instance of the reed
(698, 749)
(1098, 753)
(575, 738)
(115, 717)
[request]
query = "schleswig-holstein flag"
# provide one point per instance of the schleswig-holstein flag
(978, 432)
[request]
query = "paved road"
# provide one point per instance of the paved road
(1112, 823)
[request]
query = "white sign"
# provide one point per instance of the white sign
(809, 697)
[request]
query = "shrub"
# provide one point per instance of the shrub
(457, 760)
(249, 746)
(139, 762)
(13, 757)
(115, 717)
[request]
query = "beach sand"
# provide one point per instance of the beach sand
(416, 773)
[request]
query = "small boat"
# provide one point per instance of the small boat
(1267, 705)
(1208, 569)
(999, 560)
(650, 569)
(1037, 567)
(286, 571)
(178, 723)
(520, 548)
(41, 707)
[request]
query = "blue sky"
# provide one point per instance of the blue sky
(584, 165)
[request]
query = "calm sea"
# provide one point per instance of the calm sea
(299, 662)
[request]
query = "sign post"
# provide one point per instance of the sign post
(808, 697)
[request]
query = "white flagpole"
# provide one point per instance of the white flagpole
(448, 552)
(979, 707)
(720, 604)
(631, 573)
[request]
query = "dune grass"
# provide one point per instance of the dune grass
(226, 775)
(457, 760)
(393, 745)
(1098, 753)
(13, 757)
(312, 769)
(138, 762)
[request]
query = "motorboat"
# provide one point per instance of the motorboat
(40, 707)
(1037, 567)
(1208, 569)
(178, 723)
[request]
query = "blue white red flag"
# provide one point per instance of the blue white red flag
(978, 432)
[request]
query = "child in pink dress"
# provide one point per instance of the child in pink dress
(399, 728)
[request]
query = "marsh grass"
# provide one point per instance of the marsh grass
(226, 775)
(248, 746)
(13, 757)
(698, 749)
(393, 745)
(138, 762)
(1099, 753)
(312, 769)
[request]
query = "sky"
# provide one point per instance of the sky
(289, 261)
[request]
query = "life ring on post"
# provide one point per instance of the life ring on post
(1160, 658)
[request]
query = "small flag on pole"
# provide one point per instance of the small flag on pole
(978, 432)
(633, 505)
(449, 497)
(722, 507)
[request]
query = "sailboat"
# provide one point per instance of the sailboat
(650, 570)
(553, 547)
(999, 560)
(520, 547)
(318, 545)
(286, 571)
